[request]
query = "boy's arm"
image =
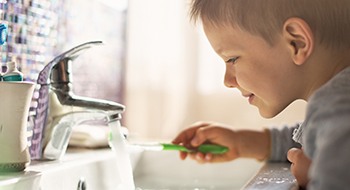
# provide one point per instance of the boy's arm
(268, 144)
(254, 144)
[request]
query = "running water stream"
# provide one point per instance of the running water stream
(118, 144)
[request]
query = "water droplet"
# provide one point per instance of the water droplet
(260, 182)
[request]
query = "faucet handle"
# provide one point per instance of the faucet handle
(76, 51)
(61, 72)
(44, 75)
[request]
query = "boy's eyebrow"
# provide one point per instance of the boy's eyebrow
(226, 51)
(221, 54)
(225, 54)
(220, 51)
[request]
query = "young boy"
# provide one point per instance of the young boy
(278, 51)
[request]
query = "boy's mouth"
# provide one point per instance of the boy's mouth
(250, 97)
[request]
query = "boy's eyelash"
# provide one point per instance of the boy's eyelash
(232, 60)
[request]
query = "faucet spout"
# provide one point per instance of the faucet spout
(61, 96)
(94, 104)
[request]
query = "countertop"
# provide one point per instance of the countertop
(273, 176)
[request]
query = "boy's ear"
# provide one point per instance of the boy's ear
(300, 39)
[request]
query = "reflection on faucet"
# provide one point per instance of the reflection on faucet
(61, 130)
(59, 109)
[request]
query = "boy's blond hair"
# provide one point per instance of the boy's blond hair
(328, 19)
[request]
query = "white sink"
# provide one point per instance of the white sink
(165, 171)
(96, 168)
(21, 180)
(152, 171)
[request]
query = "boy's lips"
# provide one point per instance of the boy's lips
(250, 97)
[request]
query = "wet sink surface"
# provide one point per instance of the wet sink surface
(152, 171)
(96, 168)
(165, 171)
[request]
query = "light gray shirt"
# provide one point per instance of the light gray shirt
(325, 135)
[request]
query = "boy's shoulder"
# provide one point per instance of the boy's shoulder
(336, 89)
(328, 111)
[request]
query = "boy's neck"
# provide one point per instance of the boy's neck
(324, 65)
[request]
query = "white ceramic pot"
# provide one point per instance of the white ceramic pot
(15, 98)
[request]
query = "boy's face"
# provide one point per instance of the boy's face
(263, 73)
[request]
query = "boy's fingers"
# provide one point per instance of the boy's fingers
(186, 136)
(183, 155)
(293, 153)
(204, 134)
(290, 154)
(183, 137)
(199, 157)
(208, 157)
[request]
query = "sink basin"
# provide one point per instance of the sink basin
(165, 171)
(97, 170)
(19, 180)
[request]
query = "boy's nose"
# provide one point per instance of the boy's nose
(230, 79)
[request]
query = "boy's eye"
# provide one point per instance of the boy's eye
(232, 60)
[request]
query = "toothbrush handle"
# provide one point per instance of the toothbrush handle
(204, 148)
(175, 147)
(212, 148)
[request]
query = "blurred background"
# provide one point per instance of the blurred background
(154, 61)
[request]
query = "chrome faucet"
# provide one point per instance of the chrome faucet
(65, 109)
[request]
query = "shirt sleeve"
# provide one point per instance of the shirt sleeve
(281, 142)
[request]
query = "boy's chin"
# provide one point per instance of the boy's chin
(268, 113)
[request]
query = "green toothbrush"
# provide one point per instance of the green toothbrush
(204, 148)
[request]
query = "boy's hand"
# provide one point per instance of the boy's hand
(241, 143)
(211, 133)
(300, 166)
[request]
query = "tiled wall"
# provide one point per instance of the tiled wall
(32, 33)
(39, 30)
